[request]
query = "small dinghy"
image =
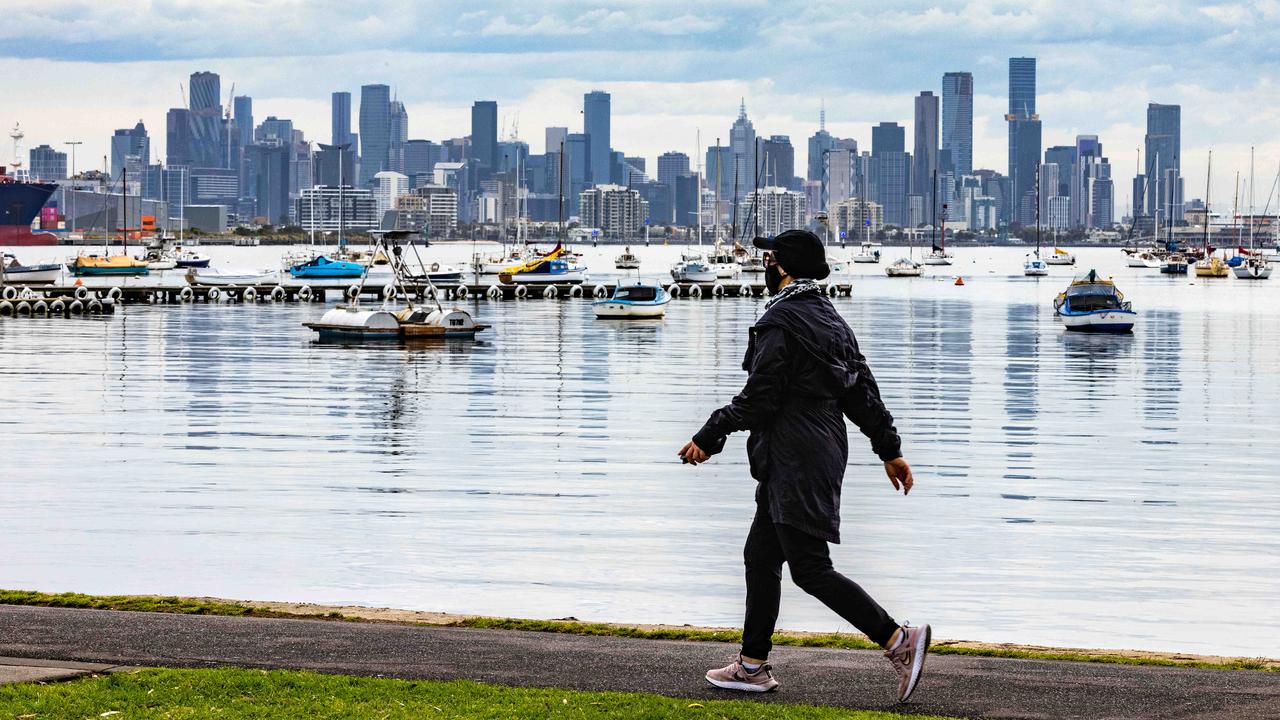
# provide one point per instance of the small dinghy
(1091, 304)
(226, 277)
(637, 299)
(322, 267)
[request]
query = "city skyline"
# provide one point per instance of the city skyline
(1087, 85)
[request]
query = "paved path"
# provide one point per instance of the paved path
(953, 685)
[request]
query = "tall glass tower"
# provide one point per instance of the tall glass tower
(375, 130)
(596, 126)
(957, 122)
(1024, 139)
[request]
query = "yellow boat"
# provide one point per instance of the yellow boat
(109, 265)
(1212, 267)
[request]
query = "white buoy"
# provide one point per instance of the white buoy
(40, 308)
(744, 290)
(695, 291)
(304, 293)
(213, 294)
(82, 293)
(600, 291)
(353, 292)
(462, 292)
(278, 293)
(521, 291)
(58, 307)
(674, 290)
(76, 307)
(94, 307)
(9, 292)
(493, 292)
(550, 293)
(717, 290)
(575, 291)
(114, 294)
(389, 292)
(249, 295)
(24, 308)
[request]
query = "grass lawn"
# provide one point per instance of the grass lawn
(234, 694)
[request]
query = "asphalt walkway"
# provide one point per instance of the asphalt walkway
(953, 685)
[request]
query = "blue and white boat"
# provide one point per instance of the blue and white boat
(323, 268)
(1091, 304)
(634, 299)
(16, 273)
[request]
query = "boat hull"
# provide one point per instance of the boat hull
(341, 332)
(613, 309)
(33, 274)
(1244, 272)
(709, 276)
(1104, 321)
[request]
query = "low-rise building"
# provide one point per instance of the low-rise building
(325, 208)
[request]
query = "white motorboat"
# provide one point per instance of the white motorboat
(1060, 257)
(904, 267)
(1091, 304)
(225, 277)
(751, 264)
(1272, 255)
(693, 269)
(1035, 266)
(15, 273)
(350, 322)
(868, 252)
(723, 262)
(634, 299)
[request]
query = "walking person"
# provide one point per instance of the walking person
(805, 376)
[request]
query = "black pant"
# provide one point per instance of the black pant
(768, 546)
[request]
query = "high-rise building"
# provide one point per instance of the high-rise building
(671, 164)
(242, 113)
(330, 161)
(891, 171)
(387, 186)
(1163, 152)
(375, 131)
(925, 153)
(686, 199)
(617, 211)
(775, 210)
(177, 144)
(1064, 157)
(1024, 136)
(819, 143)
(596, 123)
(484, 138)
(399, 135)
(340, 121)
(742, 142)
(420, 156)
(957, 123)
(129, 142)
(577, 170)
(778, 164)
(207, 141)
(269, 172)
(555, 138)
(48, 164)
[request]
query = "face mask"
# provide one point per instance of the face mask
(772, 279)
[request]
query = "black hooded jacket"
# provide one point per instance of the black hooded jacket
(805, 376)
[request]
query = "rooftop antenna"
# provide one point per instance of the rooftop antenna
(231, 96)
(822, 116)
(183, 92)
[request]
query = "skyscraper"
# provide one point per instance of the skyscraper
(957, 123)
(375, 130)
(243, 114)
(340, 123)
(129, 142)
(399, 135)
(778, 166)
(484, 137)
(742, 142)
(925, 153)
(671, 164)
(1024, 138)
(207, 140)
(891, 170)
(47, 164)
(596, 126)
(1164, 158)
(177, 144)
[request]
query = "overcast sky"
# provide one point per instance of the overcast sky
(78, 69)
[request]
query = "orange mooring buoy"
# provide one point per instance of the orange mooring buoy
(959, 280)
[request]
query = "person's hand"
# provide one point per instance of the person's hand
(899, 473)
(693, 454)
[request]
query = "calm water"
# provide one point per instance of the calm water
(1071, 490)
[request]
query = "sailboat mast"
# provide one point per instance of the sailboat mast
(124, 206)
(934, 211)
(1252, 220)
(755, 206)
(716, 226)
(697, 153)
(1037, 212)
(561, 177)
(1207, 176)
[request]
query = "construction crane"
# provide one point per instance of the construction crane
(231, 96)
(183, 91)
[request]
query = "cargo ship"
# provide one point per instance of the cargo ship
(20, 203)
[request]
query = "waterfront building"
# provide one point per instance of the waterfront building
(596, 122)
(129, 142)
(1058, 213)
(778, 166)
(957, 123)
(340, 119)
(387, 186)
(375, 130)
(854, 216)
(431, 209)
(325, 208)
(925, 154)
(47, 164)
(483, 151)
(774, 210)
(1024, 136)
(617, 211)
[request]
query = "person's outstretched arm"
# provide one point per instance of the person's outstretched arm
(751, 408)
